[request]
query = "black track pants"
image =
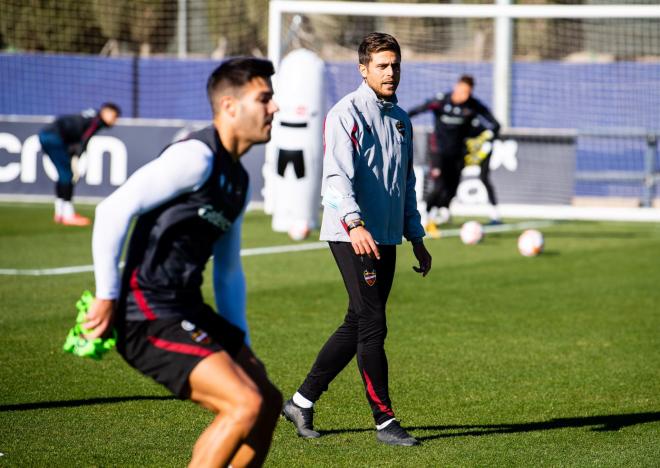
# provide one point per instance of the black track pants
(368, 283)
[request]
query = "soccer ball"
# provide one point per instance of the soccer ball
(471, 233)
(299, 230)
(530, 243)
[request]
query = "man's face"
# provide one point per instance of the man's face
(109, 116)
(255, 108)
(461, 93)
(383, 73)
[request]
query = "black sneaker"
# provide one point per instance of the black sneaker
(302, 418)
(394, 434)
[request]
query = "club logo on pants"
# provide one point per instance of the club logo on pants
(370, 277)
(197, 334)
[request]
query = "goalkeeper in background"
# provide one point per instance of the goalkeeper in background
(464, 130)
(64, 140)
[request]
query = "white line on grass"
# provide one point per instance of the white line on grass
(276, 249)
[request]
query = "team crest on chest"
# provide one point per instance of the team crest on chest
(401, 127)
(370, 277)
(217, 218)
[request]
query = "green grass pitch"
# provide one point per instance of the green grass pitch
(495, 359)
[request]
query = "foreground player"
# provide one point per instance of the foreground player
(189, 204)
(63, 140)
(457, 115)
(369, 204)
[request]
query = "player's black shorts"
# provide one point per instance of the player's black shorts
(168, 349)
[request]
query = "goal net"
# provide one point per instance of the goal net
(577, 89)
(152, 57)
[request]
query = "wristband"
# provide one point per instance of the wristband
(354, 224)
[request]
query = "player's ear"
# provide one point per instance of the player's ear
(227, 104)
(363, 70)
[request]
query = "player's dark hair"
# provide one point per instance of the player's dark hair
(376, 42)
(236, 73)
(467, 79)
(111, 106)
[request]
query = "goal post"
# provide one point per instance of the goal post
(591, 71)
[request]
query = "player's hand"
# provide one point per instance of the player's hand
(99, 318)
(363, 243)
(435, 172)
(75, 168)
(423, 257)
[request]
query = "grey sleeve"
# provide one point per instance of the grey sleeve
(412, 221)
(341, 146)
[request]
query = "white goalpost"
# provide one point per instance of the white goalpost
(576, 88)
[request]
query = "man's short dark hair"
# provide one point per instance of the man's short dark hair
(111, 106)
(236, 73)
(467, 79)
(377, 42)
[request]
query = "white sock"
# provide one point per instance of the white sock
(444, 216)
(301, 401)
(58, 207)
(67, 209)
(494, 213)
(384, 425)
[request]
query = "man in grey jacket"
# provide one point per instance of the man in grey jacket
(369, 205)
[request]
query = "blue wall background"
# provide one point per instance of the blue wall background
(620, 95)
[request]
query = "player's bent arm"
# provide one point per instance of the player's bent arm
(426, 106)
(484, 112)
(229, 280)
(338, 166)
(182, 168)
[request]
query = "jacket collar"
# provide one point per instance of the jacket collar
(369, 95)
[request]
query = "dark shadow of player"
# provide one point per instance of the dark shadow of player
(613, 422)
(82, 402)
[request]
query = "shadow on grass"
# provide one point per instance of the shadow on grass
(85, 402)
(600, 423)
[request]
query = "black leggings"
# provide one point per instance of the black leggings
(484, 176)
(445, 186)
(368, 283)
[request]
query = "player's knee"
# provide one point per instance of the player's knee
(65, 177)
(374, 331)
(245, 409)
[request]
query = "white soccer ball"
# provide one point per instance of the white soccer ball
(530, 243)
(299, 230)
(471, 233)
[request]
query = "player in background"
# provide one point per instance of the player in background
(369, 205)
(64, 141)
(457, 115)
(189, 204)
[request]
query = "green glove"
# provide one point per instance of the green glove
(77, 344)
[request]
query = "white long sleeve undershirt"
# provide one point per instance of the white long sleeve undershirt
(183, 167)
